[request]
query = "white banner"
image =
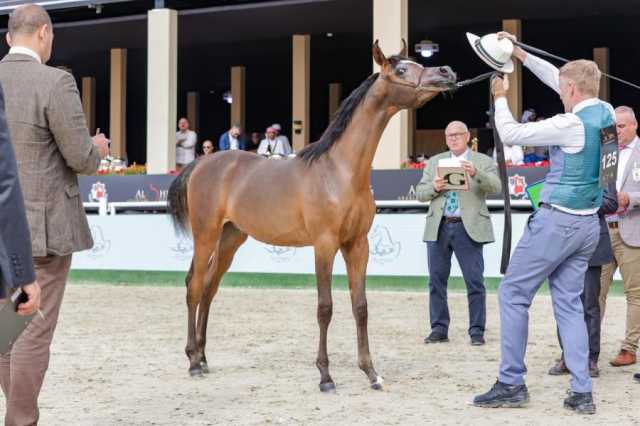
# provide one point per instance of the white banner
(148, 242)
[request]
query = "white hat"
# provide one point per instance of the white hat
(276, 126)
(496, 53)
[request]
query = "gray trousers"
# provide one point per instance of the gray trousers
(557, 246)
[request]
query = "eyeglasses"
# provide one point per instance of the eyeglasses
(456, 135)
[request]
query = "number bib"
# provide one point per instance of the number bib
(608, 156)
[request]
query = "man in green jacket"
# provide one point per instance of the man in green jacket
(458, 222)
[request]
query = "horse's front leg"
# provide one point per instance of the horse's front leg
(324, 255)
(356, 255)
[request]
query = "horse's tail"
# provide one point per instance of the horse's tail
(177, 204)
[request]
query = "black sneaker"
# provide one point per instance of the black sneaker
(636, 377)
(503, 395)
(477, 340)
(436, 337)
(580, 402)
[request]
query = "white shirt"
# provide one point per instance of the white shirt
(25, 51)
(563, 130)
(186, 150)
(461, 157)
(233, 143)
(511, 153)
(277, 146)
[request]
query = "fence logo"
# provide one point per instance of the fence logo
(98, 191)
(411, 194)
(382, 248)
(101, 246)
(154, 194)
(517, 185)
(280, 254)
(183, 249)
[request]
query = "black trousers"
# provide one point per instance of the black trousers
(591, 307)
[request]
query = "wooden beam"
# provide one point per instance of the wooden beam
(601, 57)
(118, 103)
(301, 72)
(335, 96)
(238, 97)
(514, 97)
(89, 102)
(193, 110)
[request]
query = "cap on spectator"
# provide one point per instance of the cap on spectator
(276, 126)
(271, 129)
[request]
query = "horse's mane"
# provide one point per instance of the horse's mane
(338, 124)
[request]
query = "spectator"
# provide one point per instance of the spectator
(185, 144)
(458, 222)
(254, 143)
(279, 135)
(207, 147)
(624, 229)
(272, 145)
(52, 145)
(232, 140)
(513, 155)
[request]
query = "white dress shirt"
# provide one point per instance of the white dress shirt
(186, 150)
(511, 153)
(25, 51)
(563, 130)
(233, 143)
(276, 146)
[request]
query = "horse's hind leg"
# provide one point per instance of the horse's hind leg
(205, 242)
(232, 238)
(356, 255)
(324, 268)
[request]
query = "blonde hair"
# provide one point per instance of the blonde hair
(584, 74)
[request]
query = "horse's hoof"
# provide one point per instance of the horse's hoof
(196, 372)
(327, 387)
(377, 385)
(204, 367)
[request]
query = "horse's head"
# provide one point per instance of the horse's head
(410, 85)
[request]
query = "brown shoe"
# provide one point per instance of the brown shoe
(624, 358)
(594, 371)
(559, 368)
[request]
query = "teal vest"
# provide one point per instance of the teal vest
(572, 181)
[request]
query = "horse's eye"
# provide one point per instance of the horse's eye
(401, 70)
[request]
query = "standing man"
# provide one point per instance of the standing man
(52, 144)
(458, 222)
(185, 144)
(16, 263)
(590, 296)
(562, 235)
(624, 229)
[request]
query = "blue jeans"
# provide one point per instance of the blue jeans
(452, 238)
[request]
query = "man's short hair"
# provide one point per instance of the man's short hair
(458, 123)
(628, 110)
(584, 74)
(27, 19)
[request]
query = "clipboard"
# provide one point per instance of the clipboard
(11, 324)
(534, 191)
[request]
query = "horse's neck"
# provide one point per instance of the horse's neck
(357, 145)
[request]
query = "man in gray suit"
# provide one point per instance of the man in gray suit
(16, 265)
(624, 229)
(52, 144)
(458, 222)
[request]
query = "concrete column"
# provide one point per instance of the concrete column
(118, 104)
(514, 97)
(301, 92)
(89, 102)
(238, 97)
(390, 26)
(601, 57)
(162, 87)
(335, 96)
(193, 110)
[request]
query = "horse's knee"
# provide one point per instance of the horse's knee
(360, 311)
(325, 311)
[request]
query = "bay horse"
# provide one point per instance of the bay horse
(321, 198)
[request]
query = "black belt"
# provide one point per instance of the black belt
(612, 225)
(545, 206)
(452, 219)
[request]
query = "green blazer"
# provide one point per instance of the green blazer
(473, 206)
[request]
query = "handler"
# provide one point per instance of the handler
(561, 236)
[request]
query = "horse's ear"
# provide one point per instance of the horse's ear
(378, 56)
(403, 52)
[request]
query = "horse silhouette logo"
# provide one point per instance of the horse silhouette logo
(382, 247)
(183, 248)
(280, 253)
(101, 245)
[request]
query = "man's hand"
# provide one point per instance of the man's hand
(469, 168)
(102, 143)
(33, 304)
(439, 184)
(499, 86)
(518, 52)
(623, 200)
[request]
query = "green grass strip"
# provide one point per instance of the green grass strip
(282, 281)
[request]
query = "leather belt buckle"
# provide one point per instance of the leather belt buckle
(612, 225)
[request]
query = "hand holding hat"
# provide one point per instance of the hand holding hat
(499, 86)
(518, 52)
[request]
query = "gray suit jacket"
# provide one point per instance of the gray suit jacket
(630, 221)
(473, 206)
(52, 144)
(16, 265)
